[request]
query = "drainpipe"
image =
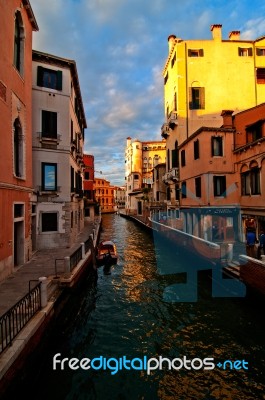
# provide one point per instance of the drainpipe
(255, 75)
(187, 91)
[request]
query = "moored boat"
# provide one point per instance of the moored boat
(107, 253)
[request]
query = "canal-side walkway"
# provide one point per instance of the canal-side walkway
(50, 264)
(42, 264)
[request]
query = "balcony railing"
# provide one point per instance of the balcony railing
(171, 176)
(172, 119)
(165, 131)
(53, 138)
(46, 192)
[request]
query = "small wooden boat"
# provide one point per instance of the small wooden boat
(106, 253)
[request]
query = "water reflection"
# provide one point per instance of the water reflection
(124, 314)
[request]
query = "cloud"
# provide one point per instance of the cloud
(120, 47)
(253, 28)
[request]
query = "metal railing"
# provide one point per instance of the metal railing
(75, 258)
(14, 320)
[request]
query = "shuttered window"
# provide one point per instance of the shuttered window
(245, 52)
(49, 124)
(49, 78)
(197, 98)
(260, 75)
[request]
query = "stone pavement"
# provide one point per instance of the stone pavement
(42, 264)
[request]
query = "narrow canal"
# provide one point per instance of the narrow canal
(124, 314)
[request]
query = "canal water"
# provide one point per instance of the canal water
(125, 315)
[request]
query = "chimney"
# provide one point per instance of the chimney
(234, 35)
(227, 118)
(216, 31)
(171, 42)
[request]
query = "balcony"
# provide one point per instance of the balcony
(172, 119)
(49, 138)
(165, 131)
(46, 192)
(79, 193)
(171, 177)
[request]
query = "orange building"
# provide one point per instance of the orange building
(17, 22)
(222, 170)
(88, 182)
(105, 195)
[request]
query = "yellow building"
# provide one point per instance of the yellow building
(204, 77)
(104, 195)
(140, 160)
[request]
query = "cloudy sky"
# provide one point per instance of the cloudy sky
(120, 47)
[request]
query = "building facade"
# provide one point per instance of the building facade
(203, 77)
(89, 196)
(222, 177)
(58, 138)
(140, 160)
(17, 22)
(105, 195)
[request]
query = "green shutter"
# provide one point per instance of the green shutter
(201, 53)
(250, 52)
(59, 85)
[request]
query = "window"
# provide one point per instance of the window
(18, 210)
(219, 185)
(217, 146)
(260, 73)
(72, 174)
(174, 158)
(183, 158)
(254, 132)
(166, 78)
(49, 124)
(49, 177)
(49, 78)
(195, 53)
(255, 180)
(19, 43)
(135, 176)
(260, 51)
(197, 98)
(196, 149)
(18, 149)
(86, 176)
(49, 222)
(245, 183)
(184, 190)
(245, 52)
(198, 192)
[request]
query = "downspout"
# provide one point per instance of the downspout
(187, 92)
(255, 75)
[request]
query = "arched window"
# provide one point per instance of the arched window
(18, 149)
(19, 43)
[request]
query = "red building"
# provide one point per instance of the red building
(17, 22)
(88, 183)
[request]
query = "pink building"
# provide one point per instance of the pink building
(222, 171)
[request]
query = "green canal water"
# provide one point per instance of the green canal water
(125, 314)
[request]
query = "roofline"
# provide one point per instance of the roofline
(31, 15)
(45, 57)
(206, 129)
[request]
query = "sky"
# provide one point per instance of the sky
(120, 48)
